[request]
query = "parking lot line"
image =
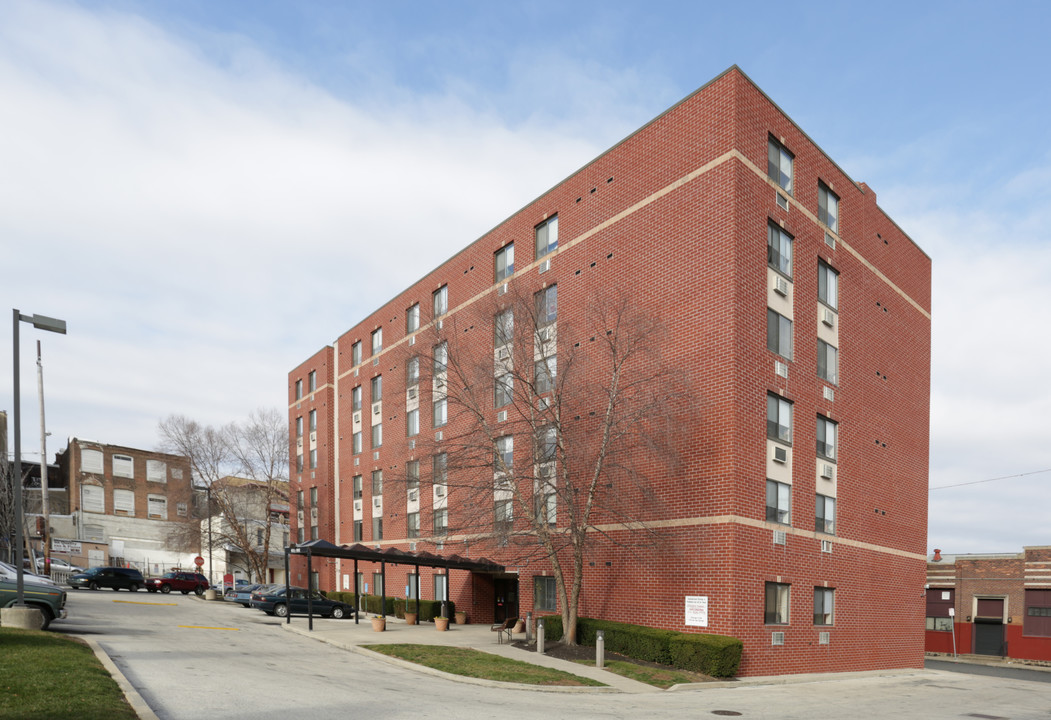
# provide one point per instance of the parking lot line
(138, 602)
(205, 627)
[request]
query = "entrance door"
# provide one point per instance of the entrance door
(989, 627)
(506, 598)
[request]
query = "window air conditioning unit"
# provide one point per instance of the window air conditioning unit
(376, 409)
(501, 416)
(357, 461)
(543, 404)
(823, 637)
(545, 334)
(412, 547)
(357, 506)
(438, 435)
(313, 437)
(502, 289)
(544, 266)
(830, 240)
(777, 638)
(375, 361)
(413, 495)
(826, 471)
(440, 545)
(779, 537)
(828, 317)
(313, 515)
(376, 502)
(439, 490)
(503, 353)
(440, 324)
(299, 443)
(826, 546)
(780, 455)
(781, 286)
(412, 444)
(412, 340)
(782, 201)
(781, 368)
(412, 392)
(299, 517)
(357, 417)
(829, 394)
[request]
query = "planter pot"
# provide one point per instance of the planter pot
(379, 624)
(441, 624)
(410, 618)
(461, 617)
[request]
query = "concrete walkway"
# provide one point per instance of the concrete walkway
(357, 637)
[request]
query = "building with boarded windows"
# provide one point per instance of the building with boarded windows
(799, 315)
(994, 604)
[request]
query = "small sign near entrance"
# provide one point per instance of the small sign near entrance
(198, 561)
(952, 612)
(697, 610)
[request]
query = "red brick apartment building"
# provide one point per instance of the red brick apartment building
(994, 604)
(800, 315)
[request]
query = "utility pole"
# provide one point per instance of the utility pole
(44, 492)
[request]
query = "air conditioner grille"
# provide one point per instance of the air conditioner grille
(777, 638)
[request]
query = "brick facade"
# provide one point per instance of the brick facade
(679, 213)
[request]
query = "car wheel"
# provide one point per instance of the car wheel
(199, 590)
(93, 585)
(166, 588)
(281, 610)
(337, 612)
(115, 589)
(134, 587)
(45, 617)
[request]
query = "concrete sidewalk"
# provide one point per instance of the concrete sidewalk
(357, 637)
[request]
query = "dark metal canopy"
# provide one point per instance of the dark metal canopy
(323, 548)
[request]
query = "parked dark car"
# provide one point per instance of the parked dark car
(184, 582)
(115, 578)
(275, 602)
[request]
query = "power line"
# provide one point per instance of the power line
(1005, 477)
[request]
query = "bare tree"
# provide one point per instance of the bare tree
(599, 412)
(244, 467)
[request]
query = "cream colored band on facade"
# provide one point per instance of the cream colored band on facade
(309, 395)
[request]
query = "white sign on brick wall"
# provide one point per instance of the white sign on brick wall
(697, 610)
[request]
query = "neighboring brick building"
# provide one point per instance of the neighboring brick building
(138, 503)
(1002, 604)
(783, 287)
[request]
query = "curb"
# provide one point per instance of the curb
(138, 705)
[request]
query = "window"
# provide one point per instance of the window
(778, 419)
(505, 262)
(377, 388)
(412, 371)
(412, 523)
(313, 497)
(546, 237)
(504, 390)
(377, 583)
(355, 399)
(358, 530)
(124, 502)
(299, 389)
(545, 500)
(776, 605)
(826, 438)
(504, 329)
(546, 371)
(377, 435)
(545, 594)
(825, 514)
(182, 509)
(157, 506)
(313, 459)
(826, 361)
(779, 165)
(299, 499)
(91, 461)
(313, 420)
(412, 319)
(441, 358)
(412, 474)
(441, 587)
(778, 502)
(441, 408)
(357, 487)
(439, 473)
(441, 301)
(299, 426)
(377, 528)
(546, 444)
(1037, 620)
(299, 463)
(828, 207)
(377, 341)
(301, 535)
(504, 451)
(412, 422)
(827, 285)
(356, 439)
(156, 471)
(503, 516)
(441, 521)
(312, 380)
(824, 600)
(259, 537)
(92, 499)
(778, 334)
(779, 249)
(546, 306)
(377, 483)
(355, 353)
(123, 466)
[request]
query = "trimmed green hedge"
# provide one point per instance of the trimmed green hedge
(712, 655)
(426, 611)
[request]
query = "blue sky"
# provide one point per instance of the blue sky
(168, 168)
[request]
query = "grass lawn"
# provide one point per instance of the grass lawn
(44, 676)
(658, 677)
(477, 664)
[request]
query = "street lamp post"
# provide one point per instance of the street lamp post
(41, 322)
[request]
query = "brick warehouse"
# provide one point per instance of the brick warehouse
(806, 532)
(1002, 604)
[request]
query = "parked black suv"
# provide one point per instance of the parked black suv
(114, 578)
